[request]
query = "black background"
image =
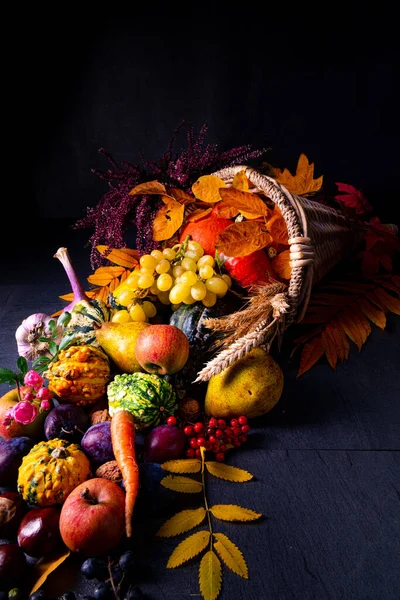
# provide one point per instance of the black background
(290, 79)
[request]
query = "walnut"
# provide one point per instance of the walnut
(109, 470)
(99, 416)
(189, 410)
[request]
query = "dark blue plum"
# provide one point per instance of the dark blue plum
(66, 421)
(97, 445)
(12, 451)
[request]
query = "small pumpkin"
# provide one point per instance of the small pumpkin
(50, 471)
(149, 398)
(80, 375)
(86, 317)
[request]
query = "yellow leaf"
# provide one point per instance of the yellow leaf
(69, 297)
(124, 257)
(181, 522)
(207, 188)
(104, 275)
(224, 211)
(276, 225)
(330, 349)
(181, 484)
(232, 512)
(198, 214)
(310, 354)
(45, 566)
(303, 182)
(210, 577)
(240, 181)
(281, 265)
(184, 465)
(168, 220)
(227, 472)
(150, 187)
(241, 239)
(181, 196)
(374, 314)
(245, 202)
(393, 304)
(189, 548)
(231, 555)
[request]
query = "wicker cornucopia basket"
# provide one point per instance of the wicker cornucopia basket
(319, 238)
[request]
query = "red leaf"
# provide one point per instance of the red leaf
(353, 198)
(310, 354)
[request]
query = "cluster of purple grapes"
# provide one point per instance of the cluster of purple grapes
(215, 436)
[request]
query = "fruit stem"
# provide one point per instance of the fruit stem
(86, 495)
(203, 480)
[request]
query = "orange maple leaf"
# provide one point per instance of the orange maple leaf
(303, 182)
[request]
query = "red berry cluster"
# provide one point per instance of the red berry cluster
(215, 436)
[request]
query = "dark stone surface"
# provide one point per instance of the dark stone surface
(325, 463)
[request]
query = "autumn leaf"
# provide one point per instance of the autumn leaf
(207, 188)
(393, 304)
(246, 202)
(373, 313)
(124, 257)
(352, 198)
(181, 484)
(330, 349)
(310, 354)
(224, 211)
(277, 227)
(180, 196)
(104, 275)
(232, 512)
(168, 220)
(303, 182)
(184, 465)
(198, 214)
(181, 522)
(231, 555)
(148, 188)
(227, 472)
(42, 569)
(241, 239)
(240, 181)
(281, 265)
(189, 548)
(210, 576)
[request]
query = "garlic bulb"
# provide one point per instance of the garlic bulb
(28, 334)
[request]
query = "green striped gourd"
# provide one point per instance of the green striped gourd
(86, 318)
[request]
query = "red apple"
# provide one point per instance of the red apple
(162, 349)
(92, 519)
(33, 430)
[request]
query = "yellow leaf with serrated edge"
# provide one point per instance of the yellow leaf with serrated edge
(168, 220)
(189, 548)
(184, 465)
(104, 275)
(124, 257)
(198, 214)
(303, 182)
(179, 483)
(233, 512)
(231, 555)
(210, 577)
(181, 196)
(227, 472)
(148, 188)
(243, 238)
(181, 522)
(245, 202)
(393, 304)
(45, 566)
(240, 181)
(207, 187)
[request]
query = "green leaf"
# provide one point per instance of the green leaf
(66, 341)
(51, 325)
(40, 360)
(22, 364)
(64, 319)
(44, 339)
(7, 375)
(53, 349)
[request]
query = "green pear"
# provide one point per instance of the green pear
(118, 341)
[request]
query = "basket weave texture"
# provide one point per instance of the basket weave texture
(319, 238)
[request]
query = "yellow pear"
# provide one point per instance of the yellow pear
(250, 387)
(118, 341)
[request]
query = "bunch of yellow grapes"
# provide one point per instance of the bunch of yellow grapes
(182, 274)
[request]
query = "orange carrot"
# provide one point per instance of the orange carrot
(123, 444)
